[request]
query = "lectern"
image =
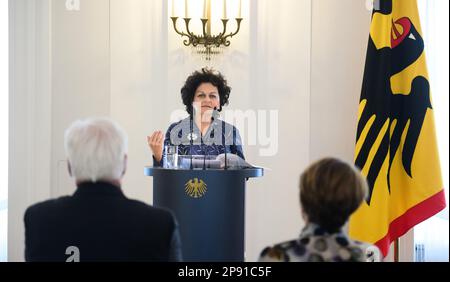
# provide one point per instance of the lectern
(209, 206)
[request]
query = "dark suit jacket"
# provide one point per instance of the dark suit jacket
(103, 224)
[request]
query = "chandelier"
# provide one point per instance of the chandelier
(208, 42)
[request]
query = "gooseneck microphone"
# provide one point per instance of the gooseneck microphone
(224, 145)
(204, 155)
(214, 116)
(191, 138)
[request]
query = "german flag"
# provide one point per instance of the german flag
(396, 141)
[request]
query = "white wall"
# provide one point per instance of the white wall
(122, 59)
(139, 83)
(279, 79)
(80, 76)
(340, 33)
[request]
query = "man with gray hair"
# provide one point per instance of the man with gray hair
(98, 222)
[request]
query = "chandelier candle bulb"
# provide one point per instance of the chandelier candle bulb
(224, 9)
(205, 9)
(186, 9)
(173, 8)
(240, 9)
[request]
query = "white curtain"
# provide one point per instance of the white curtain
(433, 234)
(435, 28)
(4, 127)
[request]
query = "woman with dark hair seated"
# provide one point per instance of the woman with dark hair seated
(330, 191)
(204, 94)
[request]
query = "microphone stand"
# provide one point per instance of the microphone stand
(204, 162)
(213, 118)
(191, 140)
(204, 155)
(224, 145)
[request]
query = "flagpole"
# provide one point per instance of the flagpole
(396, 250)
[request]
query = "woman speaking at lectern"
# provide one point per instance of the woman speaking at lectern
(204, 94)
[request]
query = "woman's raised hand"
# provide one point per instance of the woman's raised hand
(155, 142)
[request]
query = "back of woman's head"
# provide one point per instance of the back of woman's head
(330, 191)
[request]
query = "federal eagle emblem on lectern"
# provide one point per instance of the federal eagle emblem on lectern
(195, 188)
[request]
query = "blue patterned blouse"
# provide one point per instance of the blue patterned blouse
(317, 245)
(219, 137)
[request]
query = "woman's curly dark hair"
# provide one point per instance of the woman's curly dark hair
(204, 76)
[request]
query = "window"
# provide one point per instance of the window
(431, 237)
(4, 103)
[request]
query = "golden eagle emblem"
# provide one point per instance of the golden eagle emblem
(195, 188)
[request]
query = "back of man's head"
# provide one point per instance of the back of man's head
(96, 149)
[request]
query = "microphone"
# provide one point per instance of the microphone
(191, 139)
(214, 116)
(226, 161)
(204, 155)
(224, 145)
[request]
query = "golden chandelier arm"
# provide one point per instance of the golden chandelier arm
(206, 38)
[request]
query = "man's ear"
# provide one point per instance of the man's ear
(69, 168)
(125, 162)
